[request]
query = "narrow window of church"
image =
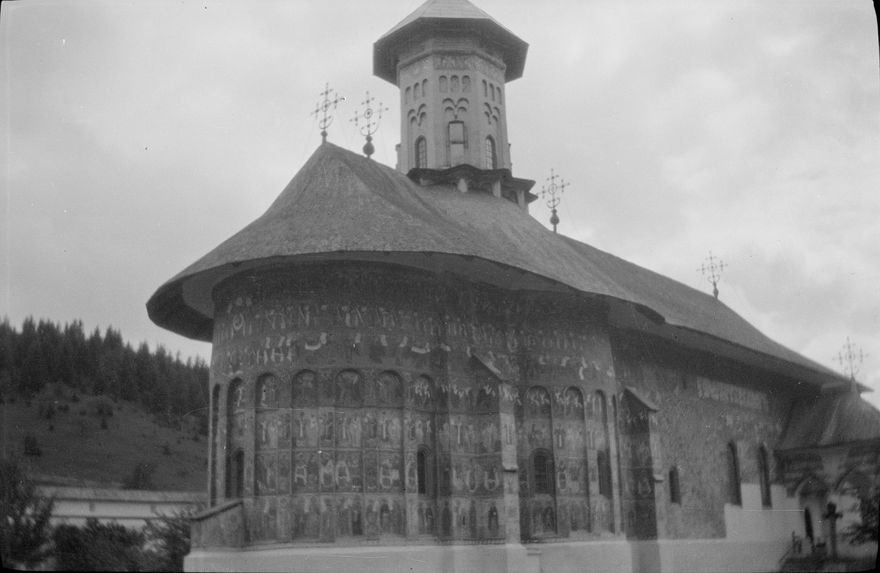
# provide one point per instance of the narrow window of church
(417, 91)
(444, 84)
(674, 486)
(733, 489)
(499, 95)
(764, 476)
(421, 153)
(453, 84)
(235, 398)
(617, 447)
(423, 471)
(485, 89)
(542, 469)
(604, 468)
(407, 95)
(215, 416)
(466, 84)
(603, 457)
(235, 476)
(425, 88)
(491, 160)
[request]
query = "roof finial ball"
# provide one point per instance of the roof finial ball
(367, 120)
(322, 109)
(552, 191)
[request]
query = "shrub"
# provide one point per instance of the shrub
(103, 408)
(31, 448)
(169, 540)
(141, 476)
(98, 547)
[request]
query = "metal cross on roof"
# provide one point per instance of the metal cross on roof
(711, 269)
(552, 191)
(325, 104)
(367, 121)
(850, 358)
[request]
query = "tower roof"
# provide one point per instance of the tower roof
(344, 207)
(458, 15)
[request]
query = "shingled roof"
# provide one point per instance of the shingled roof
(831, 420)
(342, 206)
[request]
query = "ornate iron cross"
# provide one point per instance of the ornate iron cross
(850, 358)
(711, 269)
(322, 109)
(552, 191)
(367, 121)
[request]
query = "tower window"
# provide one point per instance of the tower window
(542, 472)
(491, 157)
(674, 486)
(733, 493)
(421, 153)
(457, 142)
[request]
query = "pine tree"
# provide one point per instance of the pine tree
(25, 535)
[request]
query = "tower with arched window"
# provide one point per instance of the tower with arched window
(453, 119)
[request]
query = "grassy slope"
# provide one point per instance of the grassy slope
(78, 452)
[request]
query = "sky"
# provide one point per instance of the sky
(138, 135)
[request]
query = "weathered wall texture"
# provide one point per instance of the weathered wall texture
(703, 407)
(372, 402)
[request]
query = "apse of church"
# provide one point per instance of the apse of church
(436, 411)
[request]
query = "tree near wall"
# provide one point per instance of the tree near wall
(868, 529)
(98, 547)
(25, 534)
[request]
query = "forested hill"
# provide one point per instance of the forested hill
(101, 364)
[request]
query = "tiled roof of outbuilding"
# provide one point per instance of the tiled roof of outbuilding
(830, 420)
(344, 206)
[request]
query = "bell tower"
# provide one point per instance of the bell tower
(451, 62)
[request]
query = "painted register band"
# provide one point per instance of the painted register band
(332, 440)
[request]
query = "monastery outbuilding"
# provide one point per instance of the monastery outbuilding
(410, 373)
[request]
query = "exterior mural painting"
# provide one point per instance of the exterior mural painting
(364, 417)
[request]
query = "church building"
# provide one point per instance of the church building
(411, 373)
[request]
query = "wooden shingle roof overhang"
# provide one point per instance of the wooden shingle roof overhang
(829, 420)
(458, 16)
(344, 207)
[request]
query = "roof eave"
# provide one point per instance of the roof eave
(385, 48)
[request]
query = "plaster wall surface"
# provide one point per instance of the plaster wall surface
(413, 559)
(133, 509)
